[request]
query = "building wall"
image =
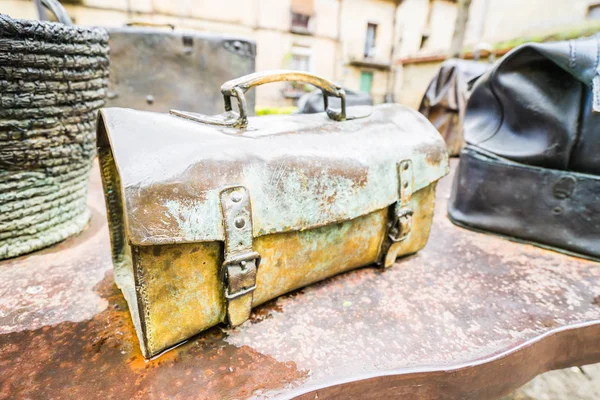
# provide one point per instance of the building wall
(336, 45)
(499, 20)
(275, 43)
(415, 79)
(355, 16)
(419, 18)
(507, 19)
(441, 26)
(490, 22)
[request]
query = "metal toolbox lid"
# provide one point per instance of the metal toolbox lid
(302, 171)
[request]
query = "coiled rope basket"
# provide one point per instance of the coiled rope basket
(53, 79)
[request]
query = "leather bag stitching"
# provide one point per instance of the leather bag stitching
(572, 55)
(596, 79)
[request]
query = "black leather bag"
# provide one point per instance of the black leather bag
(531, 167)
(444, 102)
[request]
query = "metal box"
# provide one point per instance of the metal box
(211, 216)
(157, 69)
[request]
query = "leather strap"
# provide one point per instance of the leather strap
(240, 262)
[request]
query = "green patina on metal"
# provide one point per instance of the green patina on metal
(303, 171)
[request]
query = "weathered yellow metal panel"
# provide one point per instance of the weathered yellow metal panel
(180, 290)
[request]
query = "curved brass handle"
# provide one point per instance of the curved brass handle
(237, 87)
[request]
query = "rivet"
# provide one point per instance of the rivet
(239, 222)
(563, 189)
(405, 166)
(557, 210)
(405, 184)
(236, 197)
(150, 99)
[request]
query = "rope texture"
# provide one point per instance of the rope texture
(53, 79)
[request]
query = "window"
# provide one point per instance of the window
(424, 39)
(300, 60)
(366, 81)
(593, 11)
(370, 42)
(302, 11)
(300, 22)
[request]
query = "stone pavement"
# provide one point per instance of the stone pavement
(571, 383)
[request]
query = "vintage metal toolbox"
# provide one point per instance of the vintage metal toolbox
(157, 69)
(211, 216)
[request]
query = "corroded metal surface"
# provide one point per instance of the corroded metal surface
(302, 171)
(470, 316)
(317, 199)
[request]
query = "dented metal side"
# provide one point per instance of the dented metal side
(180, 291)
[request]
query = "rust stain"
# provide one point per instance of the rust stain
(433, 154)
(99, 358)
(267, 310)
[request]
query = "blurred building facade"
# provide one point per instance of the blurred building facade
(425, 29)
(348, 41)
(388, 48)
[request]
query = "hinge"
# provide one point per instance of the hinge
(240, 262)
(401, 218)
(401, 223)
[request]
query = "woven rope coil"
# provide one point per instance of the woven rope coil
(50, 32)
(53, 79)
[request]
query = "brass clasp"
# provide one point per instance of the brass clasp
(239, 275)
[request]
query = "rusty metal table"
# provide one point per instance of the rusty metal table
(470, 316)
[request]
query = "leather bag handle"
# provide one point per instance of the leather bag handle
(147, 24)
(55, 8)
(237, 87)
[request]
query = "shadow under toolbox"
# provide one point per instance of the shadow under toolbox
(210, 216)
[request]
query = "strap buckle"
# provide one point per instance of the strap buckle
(239, 275)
